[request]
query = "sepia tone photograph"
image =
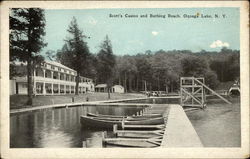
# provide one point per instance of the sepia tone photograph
(125, 77)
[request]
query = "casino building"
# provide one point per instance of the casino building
(51, 78)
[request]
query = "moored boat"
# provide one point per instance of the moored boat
(114, 116)
(132, 142)
(108, 123)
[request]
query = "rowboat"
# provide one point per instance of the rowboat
(108, 123)
(121, 119)
(114, 116)
(137, 133)
(132, 142)
(127, 142)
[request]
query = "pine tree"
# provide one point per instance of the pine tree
(106, 64)
(27, 28)
(75, 53)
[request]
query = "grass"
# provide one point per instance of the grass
(20, 101)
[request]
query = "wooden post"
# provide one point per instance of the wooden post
(192, 90)
(115, 128)
(181, 92)
(104, 135)
(84, 144)
(214, 92)
(123, 123)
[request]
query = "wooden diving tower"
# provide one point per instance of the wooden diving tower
(193, 94)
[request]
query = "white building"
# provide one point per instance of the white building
(118, 89)
(104, 88)
(101, 88)
(53, 78)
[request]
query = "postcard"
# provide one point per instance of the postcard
(128, 79)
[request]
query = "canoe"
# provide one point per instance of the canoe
(114, 116)
(100, 123)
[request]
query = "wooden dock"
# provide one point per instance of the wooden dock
(73, 104)
(179, 131)
(176, 132)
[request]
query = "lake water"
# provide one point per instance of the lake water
(217, 126)
(58, 127)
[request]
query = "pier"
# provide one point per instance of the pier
(179, 132)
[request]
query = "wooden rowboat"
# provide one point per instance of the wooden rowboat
(114, 116)
(132, 142)
(127, 142)
(137, 133)
(121, 119)
(100, 123)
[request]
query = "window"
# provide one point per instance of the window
(52, 67)
(24, 85)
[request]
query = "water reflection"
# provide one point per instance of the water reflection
(58, 127)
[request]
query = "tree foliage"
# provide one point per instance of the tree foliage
(161, 70)
(106, 63)
(75, 52)
(27, 28)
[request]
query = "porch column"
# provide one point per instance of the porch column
(52, 74)
(59, 88)
(44, 90)
(64, 89)
(59, 76)
(44, 73)
(52, 88)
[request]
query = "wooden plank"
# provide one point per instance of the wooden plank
(144, 126)
(191, 86)
(131, 139)
(214, 92)
(142, 132)
(192, 96)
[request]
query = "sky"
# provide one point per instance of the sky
(130, 35)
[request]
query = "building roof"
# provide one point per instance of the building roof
(101, 86)
(58, 65)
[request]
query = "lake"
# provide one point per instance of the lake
(58, 127)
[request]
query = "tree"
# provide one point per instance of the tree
(106, 64)
(75, 52)
(194, 66)
(127, 68)
(27, 28)
(50, 54)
